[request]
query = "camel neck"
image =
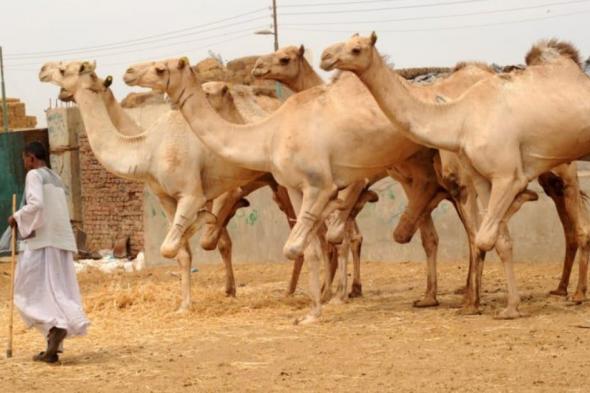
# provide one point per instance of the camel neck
(120, 119)
(306, 78)
(118, 153)
(425, 123)
(243, 145)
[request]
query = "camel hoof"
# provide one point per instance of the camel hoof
(426, 302)
(230, 292)
(183, 309)
(559, 292)
(469, 310)
(508, 313)
(357, 291)
(326, 296)
(460, 291)
(306, 320)
(337, 300)
(578, 298)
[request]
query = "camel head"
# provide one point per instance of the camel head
(163, 75)
(355, 55)
(218, 94)
(283, 65)
(72, 76)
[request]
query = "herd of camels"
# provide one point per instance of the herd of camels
(475, 136)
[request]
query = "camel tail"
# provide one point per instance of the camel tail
(546, 51)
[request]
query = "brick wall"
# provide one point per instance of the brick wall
(111, 207)
(17, 117)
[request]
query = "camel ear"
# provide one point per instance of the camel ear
(183, 62)
(301, 51)
(108, 81)
(373, 38)
(224, 90)
(85, 67)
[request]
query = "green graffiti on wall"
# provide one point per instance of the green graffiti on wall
(252, 217)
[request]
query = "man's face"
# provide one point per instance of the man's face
(29, 161)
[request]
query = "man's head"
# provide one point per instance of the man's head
(35, 156)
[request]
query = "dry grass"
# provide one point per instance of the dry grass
(374, 344)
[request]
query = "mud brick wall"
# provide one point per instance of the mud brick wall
(111, 206)
(17, 117)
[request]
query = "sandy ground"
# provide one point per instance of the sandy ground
(378, 343)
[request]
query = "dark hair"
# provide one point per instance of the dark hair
(38, 150)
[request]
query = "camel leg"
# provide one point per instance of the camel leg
(184, 259)
(297, 265)
(312, 257)
(504, 250)
(224, 208)
(356, 243)
(470, 213)
(554, 188)
(225, 249)
(336, 222)
(343, 250)
(580, 294)
(312, 254)
(430, 245)
(187, 217)
(314, 203)
(330, 262)
(503, 192)
(281, 198)
(578, 214)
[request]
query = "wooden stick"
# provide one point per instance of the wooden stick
(12, 266)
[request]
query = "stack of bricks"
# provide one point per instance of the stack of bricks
(17, 117)
(112, 207)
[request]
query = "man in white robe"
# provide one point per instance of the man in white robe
(46, 291)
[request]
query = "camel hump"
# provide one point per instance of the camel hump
(547, 51)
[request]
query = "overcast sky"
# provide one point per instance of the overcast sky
(413, 32)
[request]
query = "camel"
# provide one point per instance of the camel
(546, 131)
(312, 164)
(167, 157)
(289, 66)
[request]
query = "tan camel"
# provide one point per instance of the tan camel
(289, 66)
(547, 131)
(313, 165)
(239, 104)
(172, 155)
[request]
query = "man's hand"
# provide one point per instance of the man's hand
(12, 221)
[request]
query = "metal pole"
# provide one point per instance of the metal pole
(4, 102)
(275, 31)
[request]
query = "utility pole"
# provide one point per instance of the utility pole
(275, 26)
(4, 102)
(275, 30)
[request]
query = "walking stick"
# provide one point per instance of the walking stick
(12, 265)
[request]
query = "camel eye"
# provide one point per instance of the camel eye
(356, 51)
(62, 71)
(160, 70)
(284, 60)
